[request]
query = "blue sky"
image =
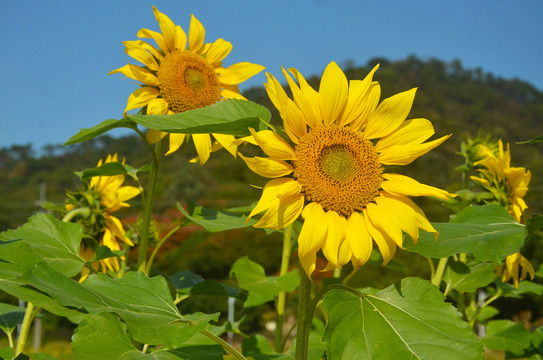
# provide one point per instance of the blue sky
(56, 54)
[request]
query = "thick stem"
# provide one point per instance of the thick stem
(438, 276)
(148, 207)
(25, 327)
(226, 346)
(304, 317)
(285, 259)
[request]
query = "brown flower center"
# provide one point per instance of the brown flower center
(338, 169)
(187, 81)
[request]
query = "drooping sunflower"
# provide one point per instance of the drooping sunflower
(332, 174)
(183, 73)
(509, 185)
(104, 195)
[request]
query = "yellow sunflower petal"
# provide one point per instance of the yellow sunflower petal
(150, 34)
(308, 100)
(403, 214)
(180, 38)
(137, 73)
(231, 92)
(176, 140)
(357, 99)
(414, 131)
(139, 50)
(218, 51)
(333, 93)
(359, 239)
(386, 246)
(266, 167)
(310, 114)
(157, 106)
(397, 184)
(227, 142)
(197, 34)
(202, 143)
(385, 222)
(167, 27)
(335, 237)
(238, 73)
(141, 97)
(127, 192)
(370, 104)
(405, 154)
(281, 216)
(154, 136)
(312, 236)
(275, 189)
(389, 115)
(422, 221)
(293, 121)
(273, 145)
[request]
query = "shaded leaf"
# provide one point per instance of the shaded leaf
(111, 169)
(535, 140)
(104, 126)
(407, 320)
(187, 282)
(251, 277)
(524, 287)
(468, 278)
(231, 116)
(506, 335)
(103, 252)
(213, 220)
(144, 304)
(6, 353)
(53, 241)
(10, 317)
(488, 232)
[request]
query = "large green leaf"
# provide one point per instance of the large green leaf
(213, 220)
(262, 288)
(488, 232)
(111, 169)
(506, 335)
(232, 117)
(10, 317)
(468, 277)
(407, 320)
(145, 304)
(104, 126)
(53, 241)
(104, 336)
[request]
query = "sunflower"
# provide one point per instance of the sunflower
(509, 185)
(105, 195)
(332, 174)
(183, 73)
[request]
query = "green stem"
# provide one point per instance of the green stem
(285, 259)
(304, 317)
(148, 207)
(10, 338)
(432, 268)
(226, 346)
(158, 246)
(25, 327)
(438, 276)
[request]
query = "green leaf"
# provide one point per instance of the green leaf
(506, 335)
(231, 116)
(10, 317)
(407, 320)
(488, 232)
(103, 252)
(487, 313)
(6, 353)
(535, 140)
(468, 278)
(111, 169)
(213, 220)
(524, 287)
(104, 126)
(143, 303)
(54, 241)
(534, 226)
(186, 282)
(251, 277)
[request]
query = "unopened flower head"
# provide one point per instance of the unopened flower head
(102, 196)
(331, 173)
(183, 73)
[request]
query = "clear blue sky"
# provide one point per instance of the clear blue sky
(56, 54)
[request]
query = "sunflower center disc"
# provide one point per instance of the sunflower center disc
(187, 81)
(338, 169)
